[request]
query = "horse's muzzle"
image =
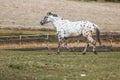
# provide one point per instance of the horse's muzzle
(42, 22)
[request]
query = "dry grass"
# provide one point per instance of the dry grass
(27, 13)
(50, 45)
(17, 32)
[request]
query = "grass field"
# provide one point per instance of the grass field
(36, 65)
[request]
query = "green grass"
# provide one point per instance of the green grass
(37, 65)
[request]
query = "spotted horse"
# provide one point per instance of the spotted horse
(66, 29)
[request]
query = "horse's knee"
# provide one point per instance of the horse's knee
(94, 42)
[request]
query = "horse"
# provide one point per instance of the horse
(66, 29)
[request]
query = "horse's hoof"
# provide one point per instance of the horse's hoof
(58, 53)
(95, 52)
(88, 45)
(84, 53)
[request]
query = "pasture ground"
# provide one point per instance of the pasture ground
(45, 65)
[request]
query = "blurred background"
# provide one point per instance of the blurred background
(26, 14)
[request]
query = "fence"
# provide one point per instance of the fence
(48, 41)
(22, 41)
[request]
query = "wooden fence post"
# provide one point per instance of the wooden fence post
(20, 41)
(110, 38)
(47, 38)
(78, 45)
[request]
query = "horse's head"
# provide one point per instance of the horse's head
(44, 20)
(50, 17)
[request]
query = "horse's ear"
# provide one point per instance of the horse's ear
(49, 13)
(55, 15)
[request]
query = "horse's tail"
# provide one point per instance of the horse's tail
(98, 35)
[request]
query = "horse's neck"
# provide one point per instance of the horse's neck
(59, 23)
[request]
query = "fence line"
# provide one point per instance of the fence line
(21, 39)
(45, 40)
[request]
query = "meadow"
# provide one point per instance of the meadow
(22, 17)
(46, 65)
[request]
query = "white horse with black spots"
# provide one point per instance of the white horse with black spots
(66, 29)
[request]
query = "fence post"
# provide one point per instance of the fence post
(20, 41)
(78, 45)
(47, 40)
(111, 38)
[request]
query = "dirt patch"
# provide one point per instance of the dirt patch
(27, 13)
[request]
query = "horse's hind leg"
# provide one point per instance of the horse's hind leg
(94, 47)
(93, 43)
(86, 46)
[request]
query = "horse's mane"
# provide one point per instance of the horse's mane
(55, 15)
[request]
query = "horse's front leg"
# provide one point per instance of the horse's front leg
(66, 43)
(59, 44)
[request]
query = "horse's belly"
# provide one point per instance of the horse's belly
(72, 35)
